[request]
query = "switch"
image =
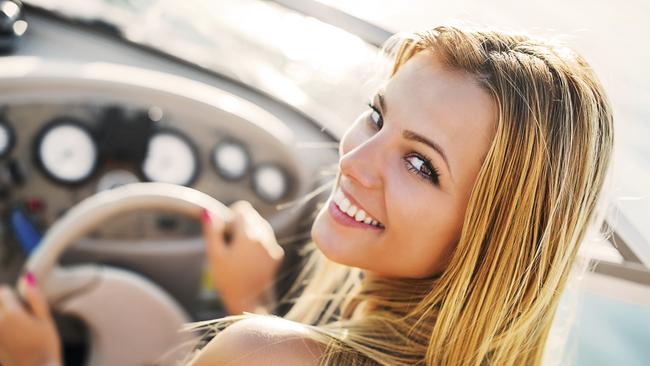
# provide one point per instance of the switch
(26, 233)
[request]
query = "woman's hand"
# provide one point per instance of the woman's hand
(243, 268)
(27, 333)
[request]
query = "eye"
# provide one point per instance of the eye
(376, 117)
(422, 167)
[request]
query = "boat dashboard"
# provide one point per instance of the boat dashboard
(98, 113)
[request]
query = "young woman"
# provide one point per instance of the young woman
(462, 197)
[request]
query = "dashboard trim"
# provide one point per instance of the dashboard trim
(21, 73)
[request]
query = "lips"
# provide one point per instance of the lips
(347, 205)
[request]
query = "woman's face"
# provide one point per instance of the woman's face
(409, 163)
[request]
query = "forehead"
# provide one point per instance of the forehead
(443, 104)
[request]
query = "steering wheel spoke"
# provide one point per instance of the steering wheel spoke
(132, 321)
(66, 282)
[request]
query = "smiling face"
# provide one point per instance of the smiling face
(409, 163)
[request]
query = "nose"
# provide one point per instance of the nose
(362, 164)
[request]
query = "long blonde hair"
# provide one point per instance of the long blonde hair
(532, 203)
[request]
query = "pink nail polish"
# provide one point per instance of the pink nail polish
(205, 216)
(31, 280)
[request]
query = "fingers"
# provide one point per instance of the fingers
(213, 232)
(251, 216)
(34, 297)
(249, 223)
(8, 300)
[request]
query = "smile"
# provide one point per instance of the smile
(348, 213)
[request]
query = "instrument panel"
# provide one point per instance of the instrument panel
(52, 155)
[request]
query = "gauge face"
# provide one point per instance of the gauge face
(270, 183)
(231, 160)
(114, 179)
(170, 159)
(67, 152)
(6, 138)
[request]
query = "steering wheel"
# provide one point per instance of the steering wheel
(131, 320)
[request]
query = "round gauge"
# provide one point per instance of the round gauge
(270, 183)
(231, 160)
(66, 151)
(170, 159)
(7, 138)
(114, 179)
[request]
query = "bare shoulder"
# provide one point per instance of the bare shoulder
(260, 340)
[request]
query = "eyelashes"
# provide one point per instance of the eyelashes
(414, 162)
(421, 165)
(376, 117)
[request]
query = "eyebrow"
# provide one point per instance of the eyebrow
(410, 135)
(413, 136)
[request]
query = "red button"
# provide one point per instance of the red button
(34, 205)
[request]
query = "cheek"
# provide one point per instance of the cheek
(424, 232)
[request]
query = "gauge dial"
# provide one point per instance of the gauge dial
(6, 138)
(114, 179)
(270, 183)
(67, 152)
(231, 160)
(170, 159)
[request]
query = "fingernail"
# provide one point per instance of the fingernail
(31, 280)
(205, 216)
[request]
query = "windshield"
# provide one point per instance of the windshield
(306, 63)
(323, 70)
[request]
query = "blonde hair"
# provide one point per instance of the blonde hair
(533, 200)
(529, 210)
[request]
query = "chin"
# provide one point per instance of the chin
(325, 238)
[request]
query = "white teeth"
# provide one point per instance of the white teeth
(351, 210)
(345, 204)
(338, 196)
(361, 214)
